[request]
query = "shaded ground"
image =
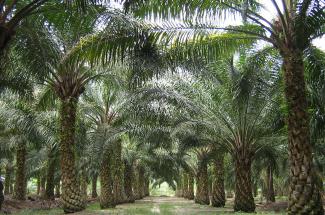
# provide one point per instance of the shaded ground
(147, 206)
(11, 206)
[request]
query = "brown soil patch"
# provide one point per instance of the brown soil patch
(11, 205)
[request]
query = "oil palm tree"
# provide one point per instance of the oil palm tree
(130, 155)
(103, 106)
(218, 197)
(49, 130)
(66, 79)
(21, 131)
(242, 132)
(13, 14)
(296, 25)
(202, 191)
(238, 111)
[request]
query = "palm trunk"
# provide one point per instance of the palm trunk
(190, 187)
(42, 185)
(71, 196)
(304, 194)
(255, 189)
(49, 189)
(8, 178)
(244, 200)
(202, 189)
(136, 184)
(185, 185)
(5, 36)
(141, 182)
(11, 190)
(20, 183)
(83, 187)
(94, 186)
(179, 187)
(147, 187)
(128, 179)
(218, 190)
(38, 184)
(118, 176)
(57, 190)
(106, 198)
(2, 197)
(270, 197)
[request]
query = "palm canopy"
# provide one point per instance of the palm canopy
(202, 100)
(13, 13)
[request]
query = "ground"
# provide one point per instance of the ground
(153, 205)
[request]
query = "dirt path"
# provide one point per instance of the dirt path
(151, 206)
(169, 206)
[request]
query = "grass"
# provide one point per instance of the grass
(151, 206)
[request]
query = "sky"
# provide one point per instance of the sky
(269, 12)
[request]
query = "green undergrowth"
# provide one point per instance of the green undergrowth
(152, 206)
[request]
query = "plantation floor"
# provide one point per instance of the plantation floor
(153, 205)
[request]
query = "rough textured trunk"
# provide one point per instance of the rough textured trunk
(270, 197)
(179, 188)
(11, 191)
(244, 200)
(71, 197)
(190, 187)
(20, 183)
(106, 176)
(218, 198)
(8, 174)
(128, 179)
(185, 185)
(136, 185)
(147, 187)
(49, 189)
(119, 173)
(2, 197)
(83, 187)
(42, 185)
(255, 189)
(38, 191)
(304, 194)
(57, 191)
(5, 37)
(209, 186)
(141, 182)
(94, 186)
(202, 189)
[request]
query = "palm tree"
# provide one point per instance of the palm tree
(94, 186)
(106, 177)
(103, 107)
(66, 78)
(8, 176)
(244, 126)
(14, 13)
(119, 174)
(236, 111)
(202, 190)
(218, 198)
(21, 130)
(296, 24)
(185, 185)
(130, 155)
(190, 187)
(49, 130)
